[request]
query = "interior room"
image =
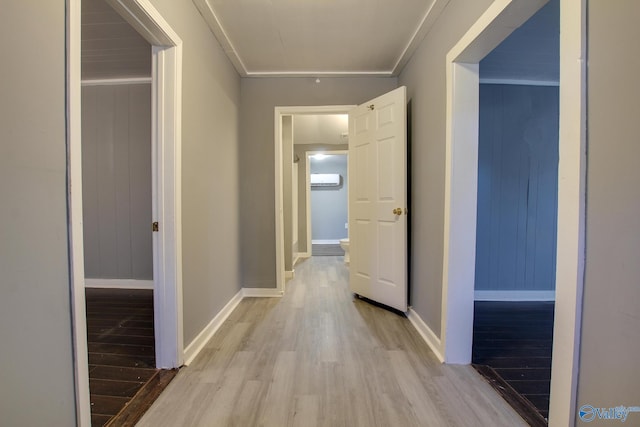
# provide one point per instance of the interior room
(517, 213)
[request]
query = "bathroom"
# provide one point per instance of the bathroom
(320, 147)
(329, 204)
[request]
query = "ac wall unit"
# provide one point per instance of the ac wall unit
(325, 180)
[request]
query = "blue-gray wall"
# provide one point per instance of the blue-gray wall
(517, 188)
(531, 52)
(329, 205)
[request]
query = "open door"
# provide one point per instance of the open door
(378, 199)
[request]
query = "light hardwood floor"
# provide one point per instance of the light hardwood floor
(317, 357)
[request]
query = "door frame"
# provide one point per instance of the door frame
(462, 116)
(166, 193)
(279, 198)
(308, 187)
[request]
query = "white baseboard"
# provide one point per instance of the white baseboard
(515, 295)
(426, 333)
(261, 292)
(325, 242)
(303, 255)
(198, 343)
(118, 283)
(289, 274)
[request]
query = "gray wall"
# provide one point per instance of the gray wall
(210, 129)
(116, 181)
(517, 188)
(424, 77)
(36, 362)
(329, 205)
(259, 97)
(301, 151)
(609, 374)
(287, 190)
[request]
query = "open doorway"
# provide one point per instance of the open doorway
(165, 170)
(314, 186)
(117, 213)
(461, 191)
(327, 202)
(517, 213)
(313, 129)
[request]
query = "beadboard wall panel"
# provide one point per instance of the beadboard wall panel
(116, 163)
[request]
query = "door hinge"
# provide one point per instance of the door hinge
(371, 107)
(155, 226)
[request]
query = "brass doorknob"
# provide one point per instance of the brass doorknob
(397, 211)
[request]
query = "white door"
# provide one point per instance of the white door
(377, 199)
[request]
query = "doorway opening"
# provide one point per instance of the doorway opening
(517, 213)
(327, 202)
(166, 63)
(294, 245)
(461, 191)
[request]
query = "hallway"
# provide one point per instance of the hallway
(316, 357)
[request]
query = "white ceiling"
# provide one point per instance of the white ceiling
(319, 37)
(320, 129)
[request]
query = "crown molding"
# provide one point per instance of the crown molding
(214, 24)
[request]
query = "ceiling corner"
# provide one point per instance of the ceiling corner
(428, 20)
(220, 34)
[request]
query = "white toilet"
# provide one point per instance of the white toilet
(344, 244)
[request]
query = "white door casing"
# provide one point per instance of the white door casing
(167, 96)
(378, 199)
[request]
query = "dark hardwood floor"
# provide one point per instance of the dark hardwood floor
(122, 373)
(514, 339)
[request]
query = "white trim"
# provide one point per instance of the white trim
(198, 343)
(166, 136)
(113, 82)
(515, 295)
(215, 25)
(261, 293)
(461, 162)
(317, 74)
(74, 188)
(426, 333)
(571, 213)
(278, 179)
(326, 241)
(118, 283)
(460, 212)
(289, 274)
(304, 255)
(167, 273)
(167, 197)
(307, 191)
(522, 82)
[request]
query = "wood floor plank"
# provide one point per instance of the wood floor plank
(121, 373)
(317, 357)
